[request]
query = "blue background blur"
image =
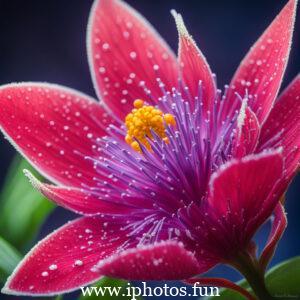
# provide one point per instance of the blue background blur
(45, 41)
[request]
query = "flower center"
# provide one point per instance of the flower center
(143, 120)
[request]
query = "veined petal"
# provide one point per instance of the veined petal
(62, 262)
(161, 261)
(54, 128)
(83, 250)
(282, 128)
(242, 190)
(79, 200)
(193, 66)
(126, 56)
(262, 70)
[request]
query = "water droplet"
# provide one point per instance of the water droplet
(105, 46)
(53, 267)
(126, 35)
(133, 55)
(155, 67)
(129, 25)
(102, 70)
(78, 263)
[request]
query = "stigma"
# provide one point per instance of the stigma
(144, 119)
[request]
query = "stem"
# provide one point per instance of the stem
(249, 267)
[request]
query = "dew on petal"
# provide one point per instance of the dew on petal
(102, 70)
(133, 55)
(45, 274)
(155, 67)
(53, 267)
(105, 46)
(78, 263)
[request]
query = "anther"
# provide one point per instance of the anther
(142, 120)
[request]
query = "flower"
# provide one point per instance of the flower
(166, 170)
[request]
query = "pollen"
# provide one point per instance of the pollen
(144, 119)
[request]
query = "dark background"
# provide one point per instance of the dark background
(45, 41)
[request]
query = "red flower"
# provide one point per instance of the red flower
(188, 180)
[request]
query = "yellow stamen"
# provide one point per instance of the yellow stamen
(138, 103)
(169, 119)
(142, 120)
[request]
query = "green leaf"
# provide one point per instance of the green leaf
(109, 282)
(9, 258)
(22, 208)
(283, 281)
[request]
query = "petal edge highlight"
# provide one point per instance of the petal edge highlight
(193, 66)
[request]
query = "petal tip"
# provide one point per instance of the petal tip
(7, 290)
(263, 68)
(32, 179)
(182, 30)
(142, 48)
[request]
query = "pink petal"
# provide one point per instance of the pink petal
(83, 250)
(244, 189)
(262, 69)
(62, 262)
(54, 128)
(194, 67)
(124, 51)
(161, 261)
(79, 200)
(278, 228)
(283, 126)
(247, 133)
